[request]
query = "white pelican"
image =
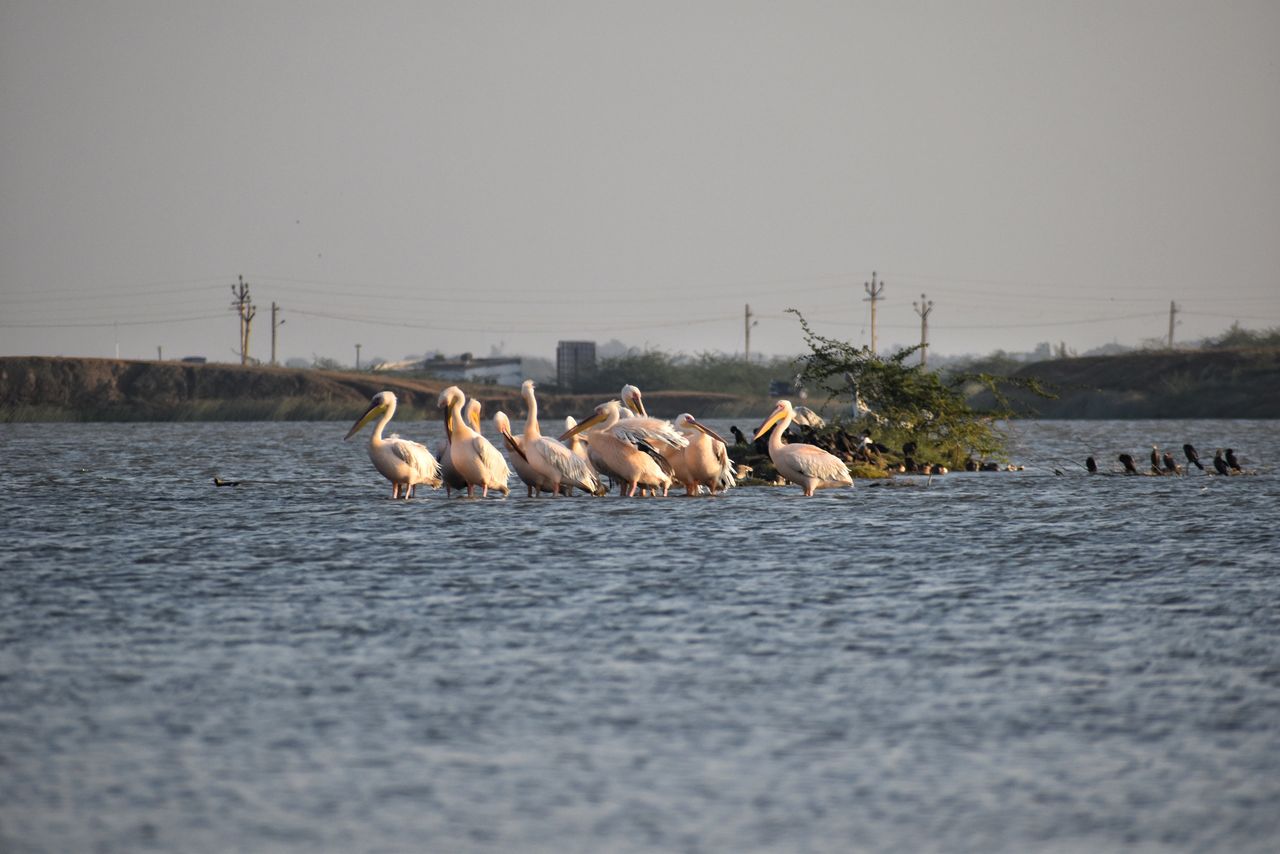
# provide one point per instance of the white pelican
(406, 464)
(516, 454)
(553, 461)
(626, 450)
(453, 480)
(705, 461)
(477, 461)
(577, 444)
(810, 467)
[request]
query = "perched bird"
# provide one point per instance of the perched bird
(473, 457)
(738, 437)
(1091, 465)
(1127, 461)
(1155, 459)
(1169, 465)
(406, 464)
(1232, 461)
(1219, 464)
(217, 481)
(1192, 456)
(810, 467)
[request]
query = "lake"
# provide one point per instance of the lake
(976, 662)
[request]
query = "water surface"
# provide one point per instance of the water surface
(984, 662)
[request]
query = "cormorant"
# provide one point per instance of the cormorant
(1219, 464)
(217, 481)
(908, 449)
(1232, 461)
(1192, 456)
(1155, 459)
(970, 464)
(1091, 465)
(738, 438)
(1169, 465)
(873, 445)
(1129, 467)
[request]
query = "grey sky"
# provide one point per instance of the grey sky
(465, 175)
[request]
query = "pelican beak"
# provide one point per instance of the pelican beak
(773, 419)
(369, 414)
(636, 405)
(707, 430)
(582, 425)
(475, 420)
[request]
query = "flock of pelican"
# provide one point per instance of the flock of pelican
(620, 442)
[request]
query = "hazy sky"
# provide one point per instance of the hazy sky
(460, 176)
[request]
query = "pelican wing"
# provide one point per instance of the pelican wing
(572, 468)
(814, 462)
(725, 479)
(424, 466)
(491, 462)
(650, 431)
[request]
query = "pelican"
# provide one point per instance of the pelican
(625, 450)
(810, 467)
(705, 461)
(406, 464)
(577, 444)
(553, 461)
(519, 459)
(477, 461)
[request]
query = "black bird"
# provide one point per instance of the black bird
(1219, 464)
(1232, 461)
(217, 481)
(1129, 467)
(1192, 456)
(873, 445)
(1091, 465)
(908, 449)
(1155, 459)
(738, 437)
(1169, 465)
(970, 464)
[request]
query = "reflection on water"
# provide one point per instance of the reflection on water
(974, 662)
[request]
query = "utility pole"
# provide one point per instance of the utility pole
(1173, 312)
(923, 308)
(747, 323)
(873, 296)
(244, 307)
(357, 357)
(159, 353)
(275, 324)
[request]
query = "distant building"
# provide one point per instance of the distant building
(506, 371)
(574, 360)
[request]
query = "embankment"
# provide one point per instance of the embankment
(1157, 384)
(36, 388)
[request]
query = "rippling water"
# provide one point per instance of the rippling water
(985, 662)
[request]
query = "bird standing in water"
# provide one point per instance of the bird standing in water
(1232, 461)
(406, 464)
(1192, 456)
(1127, 461)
